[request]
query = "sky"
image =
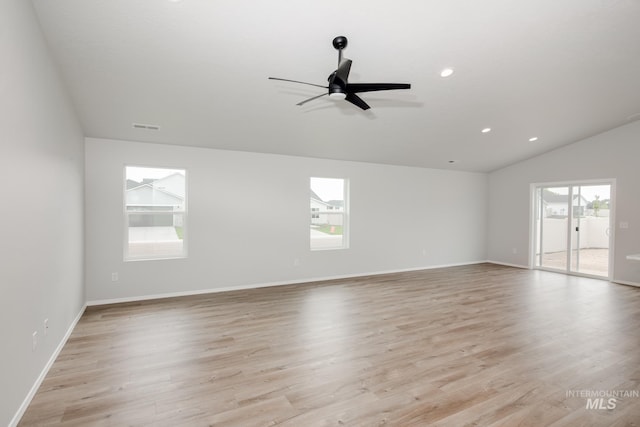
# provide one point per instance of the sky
(328, 188)
(589, 192)
(138, 173)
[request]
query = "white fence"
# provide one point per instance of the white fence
(594, 233)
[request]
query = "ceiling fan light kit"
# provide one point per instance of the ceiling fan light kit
(339, 86)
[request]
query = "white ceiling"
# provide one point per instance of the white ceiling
(560, 70)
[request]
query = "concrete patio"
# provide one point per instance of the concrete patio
(592, 261)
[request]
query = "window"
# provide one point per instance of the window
(328, 213)
(155, 209)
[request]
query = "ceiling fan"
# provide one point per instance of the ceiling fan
(339, 86)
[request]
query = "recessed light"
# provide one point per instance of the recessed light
(532, 139)
(446, 72)
(486, 130)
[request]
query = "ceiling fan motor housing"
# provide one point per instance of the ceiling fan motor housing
(340, 42)
(336, 91)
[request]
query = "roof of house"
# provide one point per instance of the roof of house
(314, 196)
(551, 197)
(132, 184)
(146, 195)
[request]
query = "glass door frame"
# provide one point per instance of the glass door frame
(534, 231)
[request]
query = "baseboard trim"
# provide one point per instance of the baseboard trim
(506, 264)
(624, 282)
(270, 284)
(27, 400)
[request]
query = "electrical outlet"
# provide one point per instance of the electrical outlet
(114, 277)
(624, 224)
(46, 327)
(34, 343)
(514, 250)
(296, 262)
(424, 252)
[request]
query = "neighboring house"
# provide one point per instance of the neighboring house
(557, 204)
(336, 204)
(174, 184)
(321, 211)
(156, 196)
(132, 184)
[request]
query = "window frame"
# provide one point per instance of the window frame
(126, 215)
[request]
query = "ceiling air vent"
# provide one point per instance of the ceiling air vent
(143, 126)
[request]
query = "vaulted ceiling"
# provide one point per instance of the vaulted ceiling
(556, 70)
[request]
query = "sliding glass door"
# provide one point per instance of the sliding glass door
(572, 228)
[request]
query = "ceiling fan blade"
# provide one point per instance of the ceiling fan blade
(296, 81)
(357, 101)
(371, 87)
(342, 72)
(311, 99)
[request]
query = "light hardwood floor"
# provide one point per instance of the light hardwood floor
(476, 345)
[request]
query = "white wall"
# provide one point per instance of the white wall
(395, 213)
(41, 168)
(613, 154)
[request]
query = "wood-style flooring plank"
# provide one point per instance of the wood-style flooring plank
(478, 345)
